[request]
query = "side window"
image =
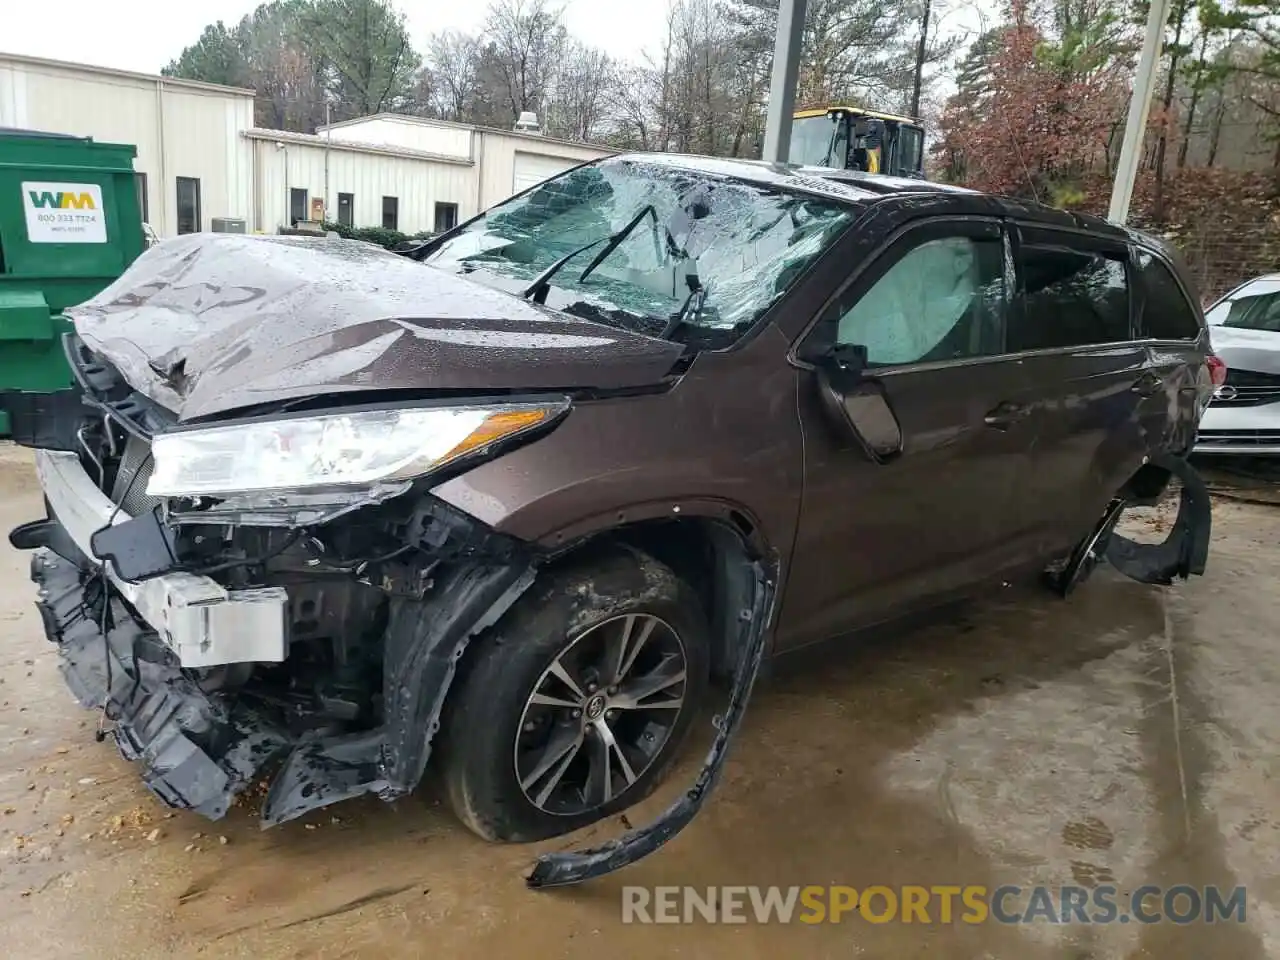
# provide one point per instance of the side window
(1074, 297)
(189, 220)
(1166, 313)
(942, 300)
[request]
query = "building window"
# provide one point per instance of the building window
(446, 216)
(346, 208)
(189, 220)
(140, 185)
(297, 205)
(390, 213)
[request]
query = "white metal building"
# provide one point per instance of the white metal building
(201, 158)
(410, 173)
(192, 163)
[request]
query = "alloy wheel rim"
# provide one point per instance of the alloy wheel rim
(600, 714)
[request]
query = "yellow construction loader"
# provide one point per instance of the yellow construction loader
(856, 139)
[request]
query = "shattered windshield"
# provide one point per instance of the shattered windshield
(653, 247)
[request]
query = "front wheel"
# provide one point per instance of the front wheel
(576, 704)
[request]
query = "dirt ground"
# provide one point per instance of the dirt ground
(1128, 735)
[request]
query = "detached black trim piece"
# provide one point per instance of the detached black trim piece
(1185, 552)
(1182, 555)
(138, 549)
(46, 421)
(563, 869)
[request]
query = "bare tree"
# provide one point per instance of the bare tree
(580, 92)
(453, 60)
(524, 38)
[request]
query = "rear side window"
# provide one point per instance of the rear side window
(1166, 312)
(1073, 297)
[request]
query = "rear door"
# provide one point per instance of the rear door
(877, 538)
(1073, 328)
(1171, 326)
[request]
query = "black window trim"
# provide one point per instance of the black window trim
(802, 352)
(1140, 331)
(809, 344)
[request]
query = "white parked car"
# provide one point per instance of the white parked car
(1244, 415)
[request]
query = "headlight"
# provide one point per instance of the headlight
(341, 449)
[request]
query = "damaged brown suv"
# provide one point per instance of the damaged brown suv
(512, 500)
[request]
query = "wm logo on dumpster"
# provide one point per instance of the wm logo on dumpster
(61, 201)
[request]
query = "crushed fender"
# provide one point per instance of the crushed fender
(566, 868)
(425, 640)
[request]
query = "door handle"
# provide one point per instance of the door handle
(1147, 384)
(1005, 415)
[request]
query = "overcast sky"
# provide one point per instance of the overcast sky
(144, 35)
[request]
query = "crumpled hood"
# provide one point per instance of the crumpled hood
(211, 323)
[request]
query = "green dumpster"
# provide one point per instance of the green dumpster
(69, 225)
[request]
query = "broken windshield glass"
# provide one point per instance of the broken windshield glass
(737, 245)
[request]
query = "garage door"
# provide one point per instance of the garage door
(532, 168)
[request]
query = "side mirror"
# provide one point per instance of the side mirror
(856, 403)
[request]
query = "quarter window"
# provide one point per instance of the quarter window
(1166, 313)
(943, 300)
(1074, 297)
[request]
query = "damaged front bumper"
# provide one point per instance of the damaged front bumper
(202, 622)
(197, 751)
(129, 649)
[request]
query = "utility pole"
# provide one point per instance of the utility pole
(922, 49)
(1135, 128)
(328, 138)
(782, 85)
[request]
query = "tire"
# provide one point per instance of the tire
(491, 728)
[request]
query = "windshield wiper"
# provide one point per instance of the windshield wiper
(537, 291)
(831, 146)
(616, 240)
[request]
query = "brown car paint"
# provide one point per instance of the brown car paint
(742, 432)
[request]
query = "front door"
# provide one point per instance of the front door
(875, 538)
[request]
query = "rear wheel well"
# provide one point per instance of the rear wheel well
(711, 556)
(1147, 485)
